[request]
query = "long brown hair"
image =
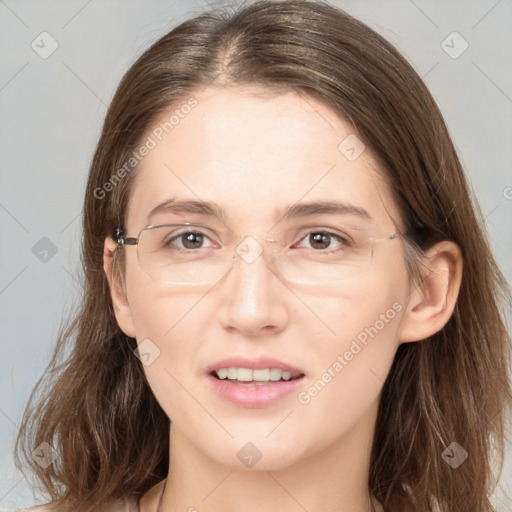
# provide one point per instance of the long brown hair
(93, 403)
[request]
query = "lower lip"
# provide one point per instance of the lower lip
(254, 395)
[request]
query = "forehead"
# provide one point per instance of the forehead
(252, 153)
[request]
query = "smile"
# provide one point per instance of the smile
(260, 376)
(254, 393)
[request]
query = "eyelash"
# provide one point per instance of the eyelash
(343, 241)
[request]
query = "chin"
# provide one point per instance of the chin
(257, 456)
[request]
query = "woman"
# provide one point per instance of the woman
(290, 303)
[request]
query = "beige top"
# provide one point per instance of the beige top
(128, 504)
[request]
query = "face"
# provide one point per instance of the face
(255, 157)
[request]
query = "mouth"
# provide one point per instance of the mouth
(256, 377)
(254, 382)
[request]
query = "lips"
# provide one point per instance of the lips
(254, 394)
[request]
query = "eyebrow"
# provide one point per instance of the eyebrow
(303, 209)
(324, 207)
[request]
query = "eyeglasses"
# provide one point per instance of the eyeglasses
(196, 254)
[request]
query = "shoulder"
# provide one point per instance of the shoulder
(128, 504)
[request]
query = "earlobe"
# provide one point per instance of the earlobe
(432, 301)
(118, 295)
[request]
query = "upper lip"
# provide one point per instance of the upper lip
(258, 363)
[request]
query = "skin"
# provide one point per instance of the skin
(249, 154)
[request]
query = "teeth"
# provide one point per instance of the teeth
(244, 374)
(274, 374)
(248, 375)
(222, 373)
(261, 374)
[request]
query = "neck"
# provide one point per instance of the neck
(334, 480)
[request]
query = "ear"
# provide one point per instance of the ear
(122, 309)
(433, 299)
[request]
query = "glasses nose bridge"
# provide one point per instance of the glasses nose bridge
(250, 247)
(264, 239)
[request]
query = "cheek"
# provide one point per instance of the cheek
(360, 327)
(173, 324)
(342, 397)
(157, 310)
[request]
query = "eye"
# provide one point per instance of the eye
(188, 240)
(322, 240)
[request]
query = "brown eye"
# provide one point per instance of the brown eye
(192, 240)
(319, 240)
(322, 240)
(187, 240)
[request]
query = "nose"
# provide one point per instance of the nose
(252, 296)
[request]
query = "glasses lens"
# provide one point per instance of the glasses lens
(193, 255)
(323, 267)
(181, 254)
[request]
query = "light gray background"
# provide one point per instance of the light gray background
(52, 110)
